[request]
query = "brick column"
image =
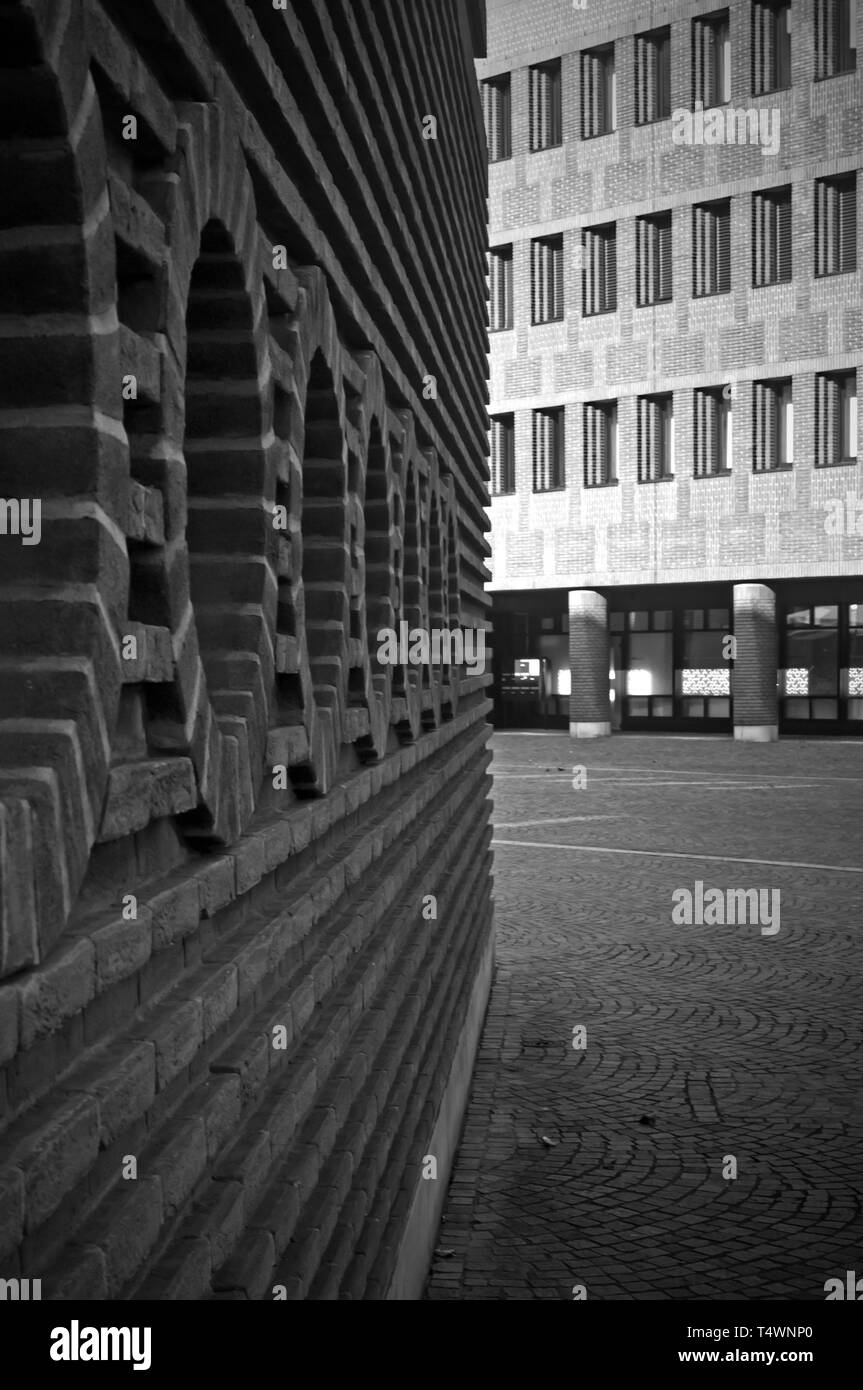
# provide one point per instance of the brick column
(589, 704)
(754, 679)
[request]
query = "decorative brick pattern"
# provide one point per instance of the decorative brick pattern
(217, 339)
(795, 330)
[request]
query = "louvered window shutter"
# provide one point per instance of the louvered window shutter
(759, 26)
(783, 232)
(708, 64)
(663, 78)
(769, 58)
(758, 248)
(759, 454)
(609, 246)
(641, 83)
(722, 234)
(782, 44)
(699, 258)
(488, 113)
(824, 38)
(828, 442)
(533, 80)
(663, 286)
(588, 272)
(556, 253)
(771, 423)
(847, 225)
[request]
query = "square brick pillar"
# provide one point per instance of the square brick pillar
(756, 714)
(589, 703)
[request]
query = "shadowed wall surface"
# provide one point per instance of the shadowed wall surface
(230, 263)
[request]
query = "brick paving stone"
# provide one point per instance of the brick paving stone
(726, 1041)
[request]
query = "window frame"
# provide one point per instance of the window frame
(558, 413)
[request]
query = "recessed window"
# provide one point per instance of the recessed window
(500, 288)
(771, 46)
(498, 117)
(836, 225)
(652, 76)
(653, 258)
(545, 105)
(711, 60)
(546, 279)
(599, 269)
(548, 445)
(600, 443)
(835, 37)
(598, 92)
(502, 455)
(771, 236)
(711, 248)
(712, 438)
(772, 425)
(835, 418)
(655, 442)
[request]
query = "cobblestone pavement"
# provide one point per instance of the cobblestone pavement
(604, 1166)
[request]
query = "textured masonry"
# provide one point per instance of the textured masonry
(754, 674)
(589, 706)
(228, 261)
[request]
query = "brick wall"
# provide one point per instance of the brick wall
(747, 525)
(229, 264)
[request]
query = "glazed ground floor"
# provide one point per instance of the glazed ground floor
(759, 659)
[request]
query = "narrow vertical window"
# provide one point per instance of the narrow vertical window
(835, 37)
(711, 60)
(836, 225)
(712, 438)
(548, 446)
(652, 76)
(771, 237)
(545, 105)
(546, 279)
(500, 288)
(598, 92)
(835, 418)
(655, 438)
(599, 269)
(600, 443)
(498, 118)
(771, 46)
(772, 425)
(653, 258)
(711, 248)
(502, 455)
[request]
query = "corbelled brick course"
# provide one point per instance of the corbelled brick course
(229, 266)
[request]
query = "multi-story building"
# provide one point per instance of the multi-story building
(677, 330)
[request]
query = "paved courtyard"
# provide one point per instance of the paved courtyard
(603, 1166)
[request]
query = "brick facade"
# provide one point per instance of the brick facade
(589, 711)
(754, 676)
(740, 526)
(229, 264)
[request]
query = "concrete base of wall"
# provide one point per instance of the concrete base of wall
(600, 730)
(415, 1252)
(757, 733)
